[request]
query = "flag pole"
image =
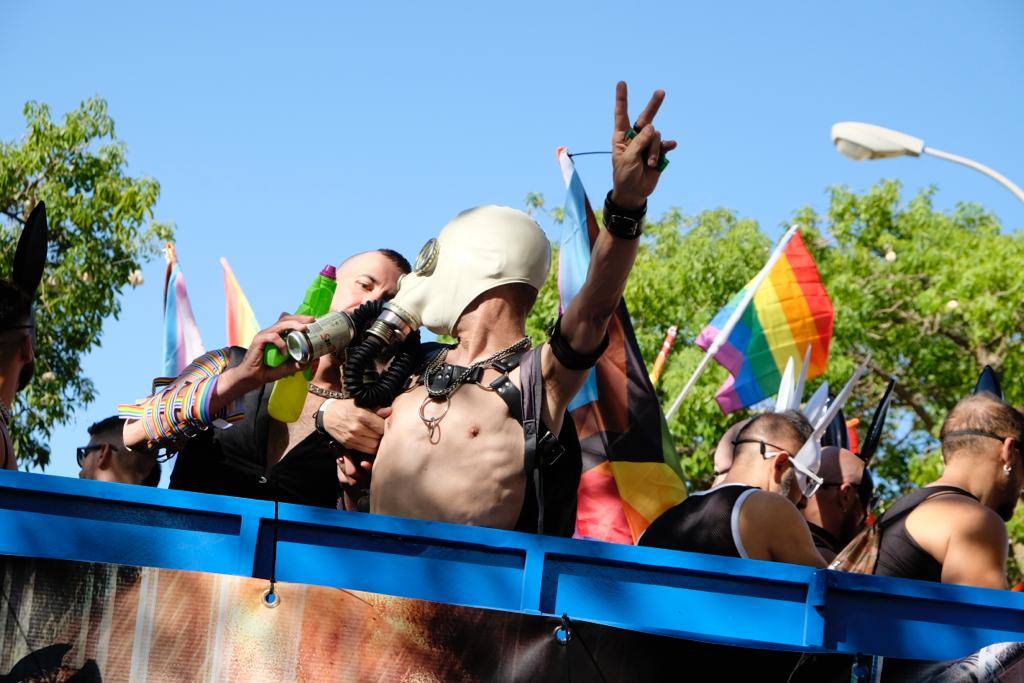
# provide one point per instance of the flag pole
(724, 333)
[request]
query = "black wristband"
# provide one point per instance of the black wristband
(623, 223)
(570, 357)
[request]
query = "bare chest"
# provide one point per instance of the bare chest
(459, 460)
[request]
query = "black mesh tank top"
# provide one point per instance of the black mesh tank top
(706, 522)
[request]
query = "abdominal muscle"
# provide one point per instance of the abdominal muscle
(472, 474)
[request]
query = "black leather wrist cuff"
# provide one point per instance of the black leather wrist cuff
(570, 357)
(614, 208)
(623, 223)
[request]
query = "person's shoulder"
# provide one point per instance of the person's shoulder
(766, 508)
(767, 500)
(963, 515)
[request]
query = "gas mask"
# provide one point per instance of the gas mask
(480, 249)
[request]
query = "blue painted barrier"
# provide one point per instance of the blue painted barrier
(702, 597)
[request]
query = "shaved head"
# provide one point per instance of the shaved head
(788, 431)
(982, 412)
(841, 465)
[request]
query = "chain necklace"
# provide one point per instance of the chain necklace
(433, 423)
(326, 393)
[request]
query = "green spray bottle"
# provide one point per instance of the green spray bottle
(289, 393)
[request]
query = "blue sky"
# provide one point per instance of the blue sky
(284, 138)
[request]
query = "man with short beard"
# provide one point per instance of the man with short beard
(953, 530)
(753, 513)
(260, 457)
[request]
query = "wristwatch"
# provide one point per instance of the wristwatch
(623, 223)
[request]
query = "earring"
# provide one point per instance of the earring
(1007, 469)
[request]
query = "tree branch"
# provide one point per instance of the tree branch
(912, 400)
(13, 216)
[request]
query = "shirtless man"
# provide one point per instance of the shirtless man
(954, 529)
(262, 458)
(460, 458)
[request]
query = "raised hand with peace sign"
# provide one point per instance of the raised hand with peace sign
(635, 161)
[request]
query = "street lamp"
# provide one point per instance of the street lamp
(861, 141)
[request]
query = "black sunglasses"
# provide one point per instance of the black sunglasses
(83, 451)
(865, 491)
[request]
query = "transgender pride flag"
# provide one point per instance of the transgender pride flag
(788, 311)
(182, 344)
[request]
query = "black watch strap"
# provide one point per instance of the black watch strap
(318, 418)
(625, 224)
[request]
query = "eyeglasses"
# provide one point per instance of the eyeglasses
(808, 481)
(83, 451)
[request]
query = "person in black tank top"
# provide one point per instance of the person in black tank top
(898, 553)
(753, 514)
(954, 530)
(706, 522)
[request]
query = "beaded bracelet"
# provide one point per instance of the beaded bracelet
(180, 409)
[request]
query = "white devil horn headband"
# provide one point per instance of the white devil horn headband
(809, 455)
(791, 391)
(784, 399)
(816, 403)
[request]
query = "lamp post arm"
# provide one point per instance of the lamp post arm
(1017, 192)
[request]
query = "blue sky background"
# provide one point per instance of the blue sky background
(284, 138)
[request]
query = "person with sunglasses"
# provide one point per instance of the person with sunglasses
(105, 457)
(954, 529)
(839, 511)
(753, 512)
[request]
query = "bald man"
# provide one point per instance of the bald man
(839, 510)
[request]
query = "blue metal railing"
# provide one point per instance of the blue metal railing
(703, 597)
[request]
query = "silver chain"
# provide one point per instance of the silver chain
(327, 393)
(439, 359)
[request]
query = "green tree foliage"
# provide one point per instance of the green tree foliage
(101, 231)
(932, 296)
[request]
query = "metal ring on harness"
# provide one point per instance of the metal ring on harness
(434, 423)
(447, 406)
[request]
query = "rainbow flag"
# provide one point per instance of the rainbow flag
(789, 311)
(241, 321)
(181, 335)
(630, 469)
